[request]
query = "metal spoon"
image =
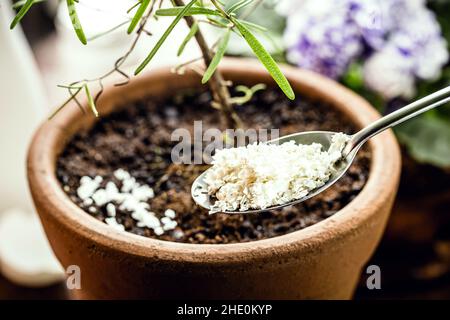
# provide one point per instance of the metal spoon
(199, 187)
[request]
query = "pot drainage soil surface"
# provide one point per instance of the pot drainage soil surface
(138, 140)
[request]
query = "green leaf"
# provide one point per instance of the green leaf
(252, 25)
(175, 11)
(217, 57)
(138, 15)
(353, 78)
(217, 22)
(90, 101)
(188, 38)
(28, 4)
(427, 139)
(158, 45)
(239, 5)
(266, 59)
(75, 21)
(21, 3)
(134, 6)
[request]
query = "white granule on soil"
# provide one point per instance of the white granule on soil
(88, 186)
(132, 197)
(262, 175)
(112, 222)
(170, 213)
(111, 210)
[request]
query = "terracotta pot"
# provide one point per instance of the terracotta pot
(321, 261)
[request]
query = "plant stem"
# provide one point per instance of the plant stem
(217, 85)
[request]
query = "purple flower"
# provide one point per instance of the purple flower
(414, 50)
(400, 38)
(322, 37)
(326, 36)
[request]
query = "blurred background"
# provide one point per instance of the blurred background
(389, 51)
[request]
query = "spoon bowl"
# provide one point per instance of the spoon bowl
(199, 190)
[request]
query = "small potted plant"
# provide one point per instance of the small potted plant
(113, 202)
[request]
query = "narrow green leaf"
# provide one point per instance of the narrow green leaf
(138, 15)
(218, 23)
(75, 21)
(217, 57)
(21, 3)
(239, 5)
(267, 34)
(277, 48)
(175, 11)
(90, 100)
(164, 37)
(134, 6)
(252, 25)
(266, 59)
(189, 36)
(22, 13)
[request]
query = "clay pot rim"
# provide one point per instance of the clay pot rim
(344, 223)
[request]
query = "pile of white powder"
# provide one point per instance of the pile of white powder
(132, 197)
(262, 175)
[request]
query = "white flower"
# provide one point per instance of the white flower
(386, 73)
(416, 50)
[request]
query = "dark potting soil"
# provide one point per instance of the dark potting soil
(138, 140)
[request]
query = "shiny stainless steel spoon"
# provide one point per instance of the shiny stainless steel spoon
(199, 187)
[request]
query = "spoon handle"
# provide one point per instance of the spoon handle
(407, 112)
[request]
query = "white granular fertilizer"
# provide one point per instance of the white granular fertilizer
(132, 197)
(262, 175)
